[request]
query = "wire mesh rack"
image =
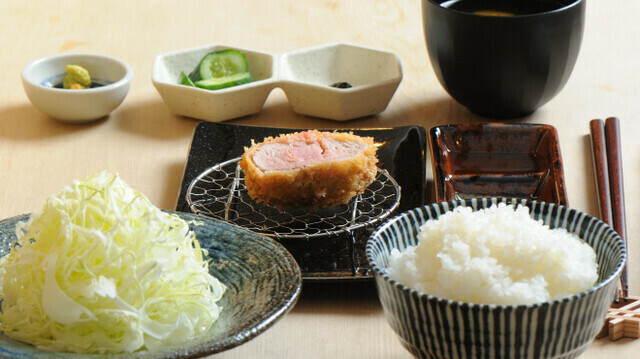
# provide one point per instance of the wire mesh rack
(220, 192)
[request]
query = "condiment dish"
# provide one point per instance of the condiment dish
(213, 105)
(313, 79)
(521, 160)
(306, 76)
(433, 327)
(41, 77)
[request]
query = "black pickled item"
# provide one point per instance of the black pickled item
(342, 85)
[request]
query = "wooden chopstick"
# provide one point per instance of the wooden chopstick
(607, 159)
(601, 169)
(616, 182)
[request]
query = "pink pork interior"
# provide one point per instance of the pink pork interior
(304, 149)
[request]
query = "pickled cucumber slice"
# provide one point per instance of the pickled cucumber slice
(217, 83)
(221, 63)
(185, 80)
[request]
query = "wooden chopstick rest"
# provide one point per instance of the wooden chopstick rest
(622, 320)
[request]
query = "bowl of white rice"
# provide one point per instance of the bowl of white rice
(495, 278)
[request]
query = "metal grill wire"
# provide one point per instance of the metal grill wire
(219, 192)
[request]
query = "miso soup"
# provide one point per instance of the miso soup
(504, 7)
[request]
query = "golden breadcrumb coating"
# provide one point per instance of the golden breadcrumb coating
(326, 183)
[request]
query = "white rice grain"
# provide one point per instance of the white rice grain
(499, 255)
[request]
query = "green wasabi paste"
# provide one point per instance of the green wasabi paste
(77, 78)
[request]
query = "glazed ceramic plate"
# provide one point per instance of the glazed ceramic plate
(497, 160)
(263, 283)
(332, 257)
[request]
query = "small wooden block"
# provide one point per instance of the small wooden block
(622, 320)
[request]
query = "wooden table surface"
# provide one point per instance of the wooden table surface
(147, 144)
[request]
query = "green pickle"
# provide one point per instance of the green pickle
(217, 83)
(185, 80)
(218, 70)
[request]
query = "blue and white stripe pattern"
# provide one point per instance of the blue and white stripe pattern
(431, 327)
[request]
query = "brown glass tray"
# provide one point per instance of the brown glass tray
(497, 160)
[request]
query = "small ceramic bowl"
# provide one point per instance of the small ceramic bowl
(40, 78)
(305, 76)
(432, 327)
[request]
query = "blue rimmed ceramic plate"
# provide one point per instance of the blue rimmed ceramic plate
(263, 283)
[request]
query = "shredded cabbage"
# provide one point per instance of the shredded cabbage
(101, 270)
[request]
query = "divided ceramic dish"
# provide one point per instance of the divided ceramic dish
(305, 76)
(497, 160)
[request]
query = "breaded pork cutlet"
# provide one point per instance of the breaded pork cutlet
(311, 169)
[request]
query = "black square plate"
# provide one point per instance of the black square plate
(401, 153)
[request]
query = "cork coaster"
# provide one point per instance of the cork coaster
(623, 320)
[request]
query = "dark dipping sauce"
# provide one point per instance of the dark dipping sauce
(504, 7)
(342, 85)
(94, 84)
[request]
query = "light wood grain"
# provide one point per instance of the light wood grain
(148, 145)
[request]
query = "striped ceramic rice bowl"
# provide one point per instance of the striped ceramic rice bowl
(432, 327)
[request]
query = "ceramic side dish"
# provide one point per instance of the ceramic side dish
(305, 76)
(431, 327)
(218, 105)
(497, 160)
(40, 77)
(263, 284)
(321, 257)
